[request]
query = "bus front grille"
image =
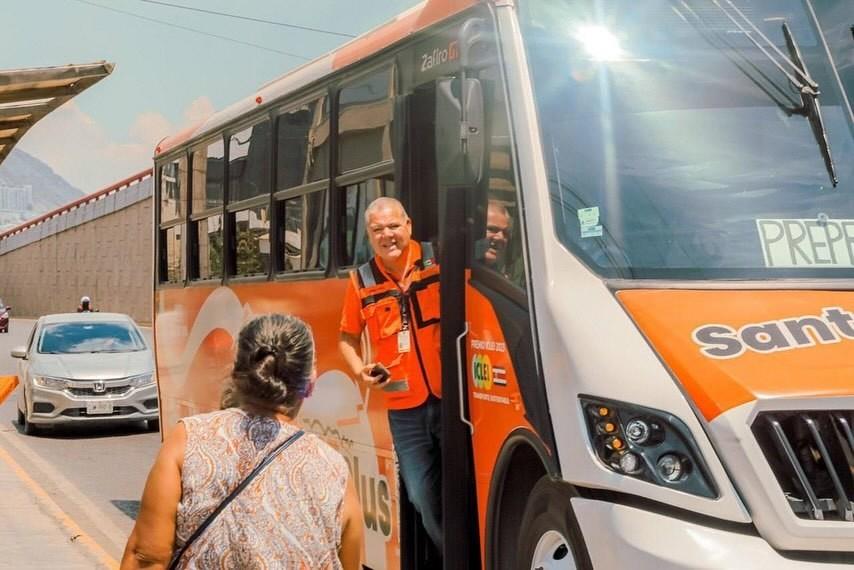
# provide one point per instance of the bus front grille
(812, 456)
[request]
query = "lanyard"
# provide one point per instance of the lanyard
(403, 300)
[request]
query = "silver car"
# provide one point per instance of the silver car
(80, 367)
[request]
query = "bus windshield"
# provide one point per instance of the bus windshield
(694, 139)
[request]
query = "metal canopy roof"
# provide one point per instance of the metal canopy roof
(27, 95)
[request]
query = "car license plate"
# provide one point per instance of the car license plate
(97, 408)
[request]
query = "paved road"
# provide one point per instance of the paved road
(93, 473)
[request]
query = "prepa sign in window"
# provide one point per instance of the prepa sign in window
(807, 242)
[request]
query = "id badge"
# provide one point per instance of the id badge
(403, 342)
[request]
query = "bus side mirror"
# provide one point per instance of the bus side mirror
(459, 132)
(460, 144)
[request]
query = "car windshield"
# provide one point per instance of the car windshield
(86, 337)
(695, 139)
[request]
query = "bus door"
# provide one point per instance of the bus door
(482, 281)
(493, 393)
(438, 216)
(415, 170)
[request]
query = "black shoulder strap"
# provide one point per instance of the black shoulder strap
(233, 495)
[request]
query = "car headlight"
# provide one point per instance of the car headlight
(647, 444)
(49, 382)
(141, 380)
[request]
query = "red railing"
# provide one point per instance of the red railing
(138, 177)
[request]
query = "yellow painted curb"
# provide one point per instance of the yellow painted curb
(59, 514)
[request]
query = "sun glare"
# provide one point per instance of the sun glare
(599, 42)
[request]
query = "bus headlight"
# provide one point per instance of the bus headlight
(647, 444)
(630, 463)
(670, 467)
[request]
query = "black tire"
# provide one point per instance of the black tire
(29, 427)
(152, 425)
(550, 536)
(21, 418)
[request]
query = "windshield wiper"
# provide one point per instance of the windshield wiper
(811, 108)
(806, 86)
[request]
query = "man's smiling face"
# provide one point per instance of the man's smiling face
(389, 230)
(497, 233)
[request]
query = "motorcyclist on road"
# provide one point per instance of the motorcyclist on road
(85, 305)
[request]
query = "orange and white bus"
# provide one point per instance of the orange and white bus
(644, 215)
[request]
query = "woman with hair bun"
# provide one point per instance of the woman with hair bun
(299, 510)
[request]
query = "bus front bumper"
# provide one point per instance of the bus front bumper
(619, 536)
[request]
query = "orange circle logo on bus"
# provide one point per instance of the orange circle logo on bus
(481, 370)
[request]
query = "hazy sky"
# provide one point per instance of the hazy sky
(165, 77)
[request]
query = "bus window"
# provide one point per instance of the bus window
(172, 262)
(302, 166)
(357, 196)
(366, 108)
(303, 235)
(302, 154)
(206, 213)
(173, 188)
(173, 197)
(499, 250)
(249, 198)
(208, 167)
(208, 248)
(249, 162)
(834, 18)
(365, 111)
(252, 241)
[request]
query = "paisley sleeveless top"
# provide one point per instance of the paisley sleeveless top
(289, 516)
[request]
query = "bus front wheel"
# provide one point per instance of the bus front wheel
(550, 537)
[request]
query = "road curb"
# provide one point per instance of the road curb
(93, 514)
(55, 512)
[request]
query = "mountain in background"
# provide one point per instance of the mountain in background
(30, 188)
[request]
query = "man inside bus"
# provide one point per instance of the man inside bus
(395, 296)
(493, 247)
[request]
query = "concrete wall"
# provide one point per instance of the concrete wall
(101, 248)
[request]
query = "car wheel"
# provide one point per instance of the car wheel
(152, 425)
(29, 427)
(550, 537)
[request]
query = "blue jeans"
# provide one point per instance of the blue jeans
(417, 435)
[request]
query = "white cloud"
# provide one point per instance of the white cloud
(80, 150)
(198, 111)
(150, 128)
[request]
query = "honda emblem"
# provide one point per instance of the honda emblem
(98, 387)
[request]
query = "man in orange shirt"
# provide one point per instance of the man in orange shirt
(395, 296)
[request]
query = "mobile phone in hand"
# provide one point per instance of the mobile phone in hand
(382, 372)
